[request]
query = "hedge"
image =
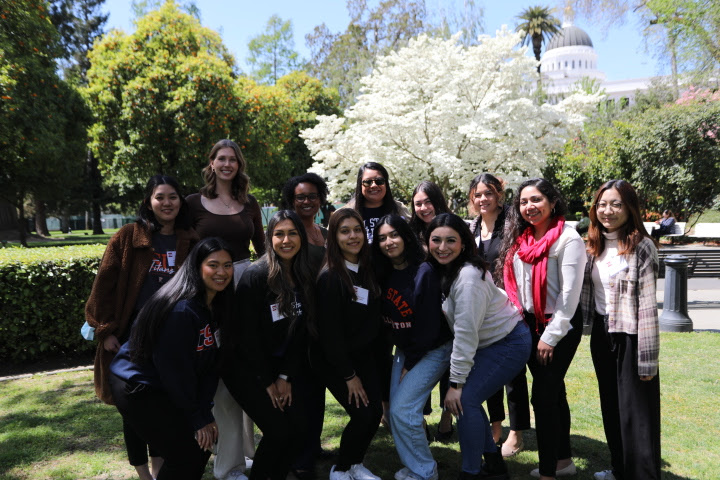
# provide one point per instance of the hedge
(42, 300)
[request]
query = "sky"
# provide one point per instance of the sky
(621, 52)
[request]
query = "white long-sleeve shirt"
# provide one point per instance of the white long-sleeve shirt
(479, 314)
(565, 269)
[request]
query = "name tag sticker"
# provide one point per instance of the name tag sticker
(618, 265)
(171, 258)
(362, 294)
(275, 312)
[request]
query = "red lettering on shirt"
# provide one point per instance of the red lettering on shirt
(205, 339)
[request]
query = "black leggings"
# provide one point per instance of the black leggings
(283, 431)
(364, 421)
(151, 413)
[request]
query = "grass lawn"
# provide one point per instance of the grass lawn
(59, 239)
(53, 427)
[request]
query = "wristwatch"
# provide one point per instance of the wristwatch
(456, 385)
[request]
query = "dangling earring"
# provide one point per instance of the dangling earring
(553, 211)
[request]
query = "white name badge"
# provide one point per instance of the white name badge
(275, 312)
(171, 258)
(617, 265)
(362, 294)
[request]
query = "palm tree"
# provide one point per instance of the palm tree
(539, 25)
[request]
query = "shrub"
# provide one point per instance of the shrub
(42, 300)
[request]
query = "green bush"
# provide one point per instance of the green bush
(42, 300)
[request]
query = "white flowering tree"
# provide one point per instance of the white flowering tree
(439, 111)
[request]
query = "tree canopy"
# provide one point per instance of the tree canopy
(161, 97)
(471, 112)
(272, 53)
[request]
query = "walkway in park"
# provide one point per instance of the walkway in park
(703, 302)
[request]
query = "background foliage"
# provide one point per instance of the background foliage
(42, 300)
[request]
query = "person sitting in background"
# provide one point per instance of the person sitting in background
(584, 222)
(666, 225)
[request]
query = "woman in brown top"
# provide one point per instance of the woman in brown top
(224, 209)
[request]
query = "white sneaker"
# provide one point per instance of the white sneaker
(604, 475)
(402, 474)
(563, 472)
(338, 475)
(236, 475)
(359, 472)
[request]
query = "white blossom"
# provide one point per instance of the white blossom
(439, 111)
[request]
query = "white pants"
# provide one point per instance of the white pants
(236, 437)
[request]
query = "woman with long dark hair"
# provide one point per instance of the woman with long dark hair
(373, 197)
(164, 378)
(487, 202)
(139, 259)
(543, 260)
(412, 306)
(428, 201)
(618, 298)
(225, 209)
(349, 323)
(491, 342)
(263, 348)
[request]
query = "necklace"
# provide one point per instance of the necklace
(223, 201)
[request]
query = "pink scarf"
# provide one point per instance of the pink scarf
(535, 253)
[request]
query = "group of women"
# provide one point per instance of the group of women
(468, 306)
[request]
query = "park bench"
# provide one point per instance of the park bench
(706, 231)
(678, 228)
(704, 262)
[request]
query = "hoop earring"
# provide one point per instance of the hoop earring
(553, 211)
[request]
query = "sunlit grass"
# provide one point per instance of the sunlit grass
(53, 427)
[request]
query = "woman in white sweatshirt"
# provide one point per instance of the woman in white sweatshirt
(491, 343)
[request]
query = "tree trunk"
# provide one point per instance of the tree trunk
(673, 66)
(97, 193)
(41, 218)
(64, 222)
(22, 222)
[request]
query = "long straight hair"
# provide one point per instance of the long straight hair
(468, 253)
(413, 253)
(187, 284)
(302, 271)
(146, 216)
(335, 261)
(388, 200)
(630, 234)
(437, 199)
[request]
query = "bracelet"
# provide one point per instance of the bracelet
(347, 379)
(284, 377)
(456, 385)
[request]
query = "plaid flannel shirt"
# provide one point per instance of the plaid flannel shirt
(632, 306)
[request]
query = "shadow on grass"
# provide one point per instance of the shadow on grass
(77, 421)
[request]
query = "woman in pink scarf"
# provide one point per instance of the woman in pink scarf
(543, 274)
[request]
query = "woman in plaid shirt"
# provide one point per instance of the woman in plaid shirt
(619, 295)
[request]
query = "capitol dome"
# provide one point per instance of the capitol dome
(569, 36)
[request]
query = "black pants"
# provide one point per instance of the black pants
(151, 413)
(364, 421)
(630, 407)
(549, 399)
(312, 389)
(137, 448)
(282, 431)
(518, 403)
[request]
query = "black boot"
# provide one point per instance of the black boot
(494, 467)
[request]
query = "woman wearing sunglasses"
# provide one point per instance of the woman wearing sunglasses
(373, 198)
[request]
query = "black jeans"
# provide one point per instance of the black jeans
(630, 407)
(151, 413)
(549, 399)
(518, 403)
(283, 431)
(364, 421)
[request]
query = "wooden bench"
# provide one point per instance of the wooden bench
(704, 262)
(706, 231)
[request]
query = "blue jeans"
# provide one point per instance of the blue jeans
(494, 366)
(407, 399)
